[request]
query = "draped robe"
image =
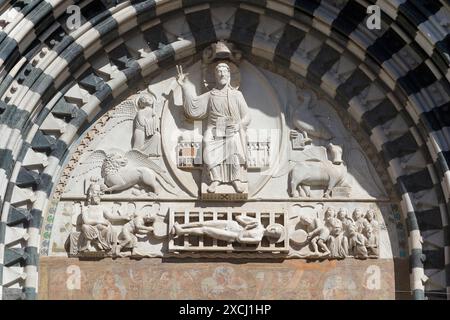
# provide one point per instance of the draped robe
(224, 149)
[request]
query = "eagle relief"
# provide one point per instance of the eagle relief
(218, 157)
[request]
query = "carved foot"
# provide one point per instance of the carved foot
(326, 254)
(213, 186)
(238, 186)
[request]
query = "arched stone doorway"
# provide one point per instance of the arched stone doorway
(394, 96)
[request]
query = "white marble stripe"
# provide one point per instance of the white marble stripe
(32, 276)
(59, 6)
(279, 6)
(164, 6)
(2, 256)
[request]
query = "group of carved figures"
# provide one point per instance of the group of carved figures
(97, 233)
(226, 153)
(339, 235)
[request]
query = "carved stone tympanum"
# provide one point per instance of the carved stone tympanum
(233, 161)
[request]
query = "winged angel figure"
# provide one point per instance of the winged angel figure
(145, 112)
(122, 171)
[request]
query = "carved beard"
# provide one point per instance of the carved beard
(224, 80)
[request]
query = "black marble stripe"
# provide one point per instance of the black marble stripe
(308, 6)
(32, 258)
(439, 61)
(30, 293)
(288, 44)
(444, 160)
(42, 17)
(108, 30)
(5, 83)
(9, 53)
(36, 219)
(14, 117)
(322, 63)
(418, 11)
(386, 46)
(191, 3)
(155, 36)
(415, 182)
(45, 87)
(411, 221)
(417, 79)
(133, 74)
(145, 10)
(416, 259)
(443, 46)
(446, 230)
(45, 184)
(352, 87)
(202, 28)
(429, 219)
(11, 293)
(380, 114)
(349, 17)
(25, 9)
(399, 147)
(43, 143)
(59, 151)
(434, 259)
(165, 55)
(93, 10)
(104, 95)
(74, 55)
(120, 56)
(2, 237)
(244, 28)
(437, 118)
(159, 43)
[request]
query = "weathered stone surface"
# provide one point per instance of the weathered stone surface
(62, 278)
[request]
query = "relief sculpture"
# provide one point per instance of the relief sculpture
(225, 143)
(122, 171)
(334, 235)
(243, 230)
(325, 173)
(228, 172)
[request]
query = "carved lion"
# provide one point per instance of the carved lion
(123, 171)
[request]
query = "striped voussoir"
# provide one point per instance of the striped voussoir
(56, 82)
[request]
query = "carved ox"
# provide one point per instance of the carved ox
(323, 173)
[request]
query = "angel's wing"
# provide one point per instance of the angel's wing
(125, 111)
(283, 169)
(362, 171)
(92, 162)
(139, 159)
